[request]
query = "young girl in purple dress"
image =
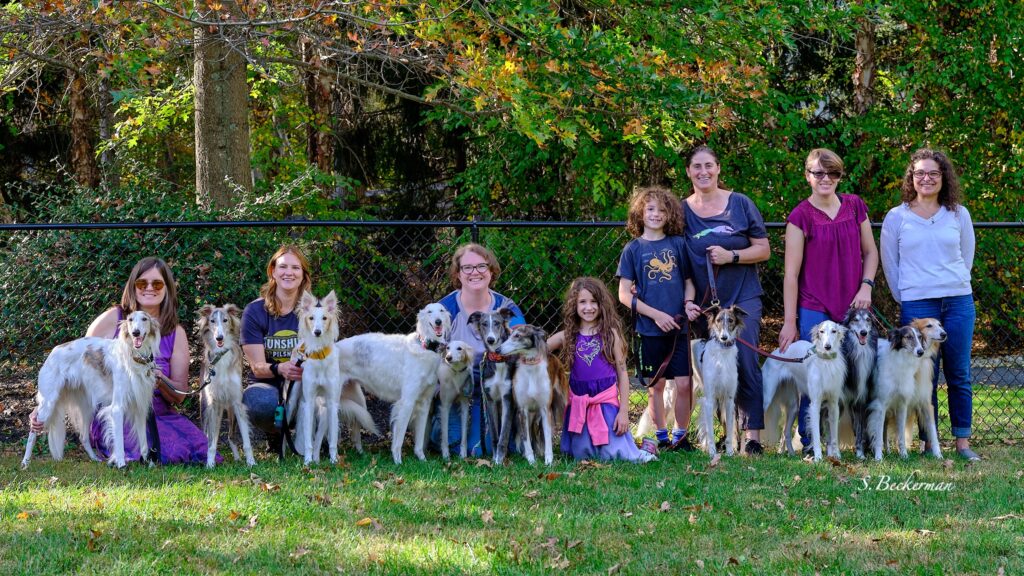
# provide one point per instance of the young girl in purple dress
(597, 418)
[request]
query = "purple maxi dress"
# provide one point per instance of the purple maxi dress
(591, 374)
(181, 441)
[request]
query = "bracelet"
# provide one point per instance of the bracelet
(275, 370)
(868, 281)
(735, 257)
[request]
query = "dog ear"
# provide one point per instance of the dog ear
(711, 312)
(475, 317)
(206, 310)
(307, 301)
(506, 314)
(233, 310)
(331, 302)
(739, 312)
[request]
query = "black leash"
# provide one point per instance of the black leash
(679, 319)
(282, 411)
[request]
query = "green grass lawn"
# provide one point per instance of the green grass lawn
(768, 515)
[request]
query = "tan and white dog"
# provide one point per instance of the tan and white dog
(84, 374)
(539, 387)
(399, 368)
(716, 374)
(897, 390)
(221, 375)
(456, 383)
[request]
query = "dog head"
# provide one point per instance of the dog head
(318, 317)
(491, 327)
(827, 338)
(907, 339)
(141, 331)
(932, 332)
(525, 340)
(861, 324)
(219, 326)
(458, 355)
(725, 324)
(434, 324)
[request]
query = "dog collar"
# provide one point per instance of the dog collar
(432, 345)
(496, 357)
(142, 359)
(214, 358)
(530, 361)
(825, 355)
(317, 354)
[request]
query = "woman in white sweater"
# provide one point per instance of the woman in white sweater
(927, 250)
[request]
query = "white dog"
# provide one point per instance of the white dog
(221, 374)
(820, 375)
(321, 390)
(456, 381)
(81, 375)
(401, 369)
(715, 372)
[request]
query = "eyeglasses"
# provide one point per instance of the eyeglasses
(930, 174)
(470, 268)
(819, 175)
(157, 285)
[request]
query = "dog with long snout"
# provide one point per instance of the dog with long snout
(497, 371)
(88, 373)
(716, 374)
(221, 374)
(454, 375)
(897, 390)
(399, 368)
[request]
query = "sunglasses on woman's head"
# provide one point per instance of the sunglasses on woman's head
(156, 284)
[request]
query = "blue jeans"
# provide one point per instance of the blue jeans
(806, 319)
(957, 315)
(479, 435)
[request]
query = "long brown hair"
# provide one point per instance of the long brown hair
(168, 308)
(665, 199)
(269, 290)
(608, 323)
(949, 193)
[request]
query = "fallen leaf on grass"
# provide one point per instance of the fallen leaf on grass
(1010, 516)
(54, 480)
(573, 544)
(947, 464)
(268, 487)
(665, 506)
(835, 462)
(532, 494)
(892, 563)
(692, 518)
(550, 476)
(924, 532)
(699, 563)
(378, 484)
(482, 462)
(698, 507)
(252, 524)
(321, 499)
(560, 563)
(614, 569)
(27, 514)
(299, 553)
(585, 464)
(660, 483)
(94, 535)
(233, 515)
(626, 514)
(733, 561)
(487, 516)
(369, 522)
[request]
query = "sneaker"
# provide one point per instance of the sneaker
(649, 445)
(682, 445)
(646, 457)
(753, 448)
(968, 454)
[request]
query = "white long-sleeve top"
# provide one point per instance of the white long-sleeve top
(927, 257)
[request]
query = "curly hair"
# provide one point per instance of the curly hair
(269, 290)
(608, 323)
(168, 308)
(666, 200)
(949, 193)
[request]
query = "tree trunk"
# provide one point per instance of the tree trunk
(319, 132)
(83, 147)
(221, 108)
(864, 67)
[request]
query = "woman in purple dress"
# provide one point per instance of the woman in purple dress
(597, 418)
(151, 288)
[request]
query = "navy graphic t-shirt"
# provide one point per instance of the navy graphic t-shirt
(658, 269)
(279, 335)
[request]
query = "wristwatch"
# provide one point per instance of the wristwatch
(868, 281)
(735, 257)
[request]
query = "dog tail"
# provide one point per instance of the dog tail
(352, 411)
(560, 387)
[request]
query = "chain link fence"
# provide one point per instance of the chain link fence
(57, 278)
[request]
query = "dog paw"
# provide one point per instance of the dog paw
(250, 461)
